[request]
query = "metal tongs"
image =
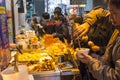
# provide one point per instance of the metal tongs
(79, 43)
(19, 50)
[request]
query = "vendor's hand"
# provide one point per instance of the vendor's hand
(84, 58)
(40, 26)
(81, 30)
(95, 48)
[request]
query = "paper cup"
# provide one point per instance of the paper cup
(8, 73)
(82, 50)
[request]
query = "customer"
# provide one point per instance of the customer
(38, 28)
(58, 13)
(77, 21)
(61, 30)
(34, 17)
(100, 30)
(109, 68)
(99, 34)
(47, 23)
(71, 18)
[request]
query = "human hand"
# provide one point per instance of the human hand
(39, 25)
(84, 58)
(54, 34)
(81, 30)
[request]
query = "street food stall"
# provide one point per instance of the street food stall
(44, 58)
(47, 58)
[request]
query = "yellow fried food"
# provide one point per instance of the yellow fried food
(44, 65)
(85, 38)
(95, 48)
(29, 57)
(34, 39)
(90, 43)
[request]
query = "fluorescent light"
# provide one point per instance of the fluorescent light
(82, 5)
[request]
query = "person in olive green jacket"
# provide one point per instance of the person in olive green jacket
(99, 33)
(109, 67)
(100, 30)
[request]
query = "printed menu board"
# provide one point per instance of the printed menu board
(4, 38)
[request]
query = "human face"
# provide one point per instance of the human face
(56, 22)
(114, 14)
(72, 23)
(55, 15)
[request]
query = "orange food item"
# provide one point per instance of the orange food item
(90, 43)
(85, 38)
(49, 40)
(95, 48)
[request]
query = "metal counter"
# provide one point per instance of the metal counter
(69, 74)
(47, 75)
(72, 71)
(55, 75)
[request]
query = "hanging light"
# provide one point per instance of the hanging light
(82, 5)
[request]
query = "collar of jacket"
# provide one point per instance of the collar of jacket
(117, 27)
(59, 24)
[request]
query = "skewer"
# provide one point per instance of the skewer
(19, 50)
(79, 43)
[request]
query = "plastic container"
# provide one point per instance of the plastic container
(82, 50)
(8, 73)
